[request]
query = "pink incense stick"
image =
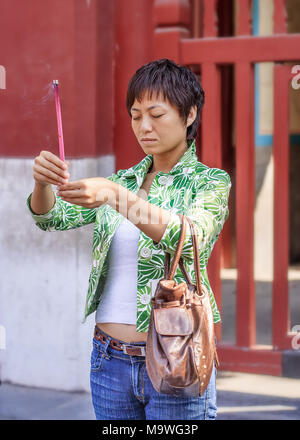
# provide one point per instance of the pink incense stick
(59, 122)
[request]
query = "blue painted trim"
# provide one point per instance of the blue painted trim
(255, 23)
(266, 140)
(262, 140)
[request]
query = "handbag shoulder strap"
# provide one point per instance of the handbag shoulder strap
(196, 256)
(178, 251)
(169, 273)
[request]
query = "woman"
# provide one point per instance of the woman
(136, 222)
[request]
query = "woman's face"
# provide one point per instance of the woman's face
(157, 124)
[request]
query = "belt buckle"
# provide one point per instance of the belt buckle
(143, 349)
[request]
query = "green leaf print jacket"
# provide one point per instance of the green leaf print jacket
(190, 188)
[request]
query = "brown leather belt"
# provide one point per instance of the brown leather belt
(132, 350)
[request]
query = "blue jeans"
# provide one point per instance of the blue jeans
(121, 390)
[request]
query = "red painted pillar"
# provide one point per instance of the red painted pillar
(134, 28)
(173, 22)
(211, 153)
(245, 190)
(281, 151)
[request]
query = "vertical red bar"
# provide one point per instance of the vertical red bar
(197, 19)
(172, 23)
(212, 156)
(211, 118)
(279, 17)
(245, 198)
(280, 310)
(134, 28)
(211, 153)
(210, 25)
(244, 19)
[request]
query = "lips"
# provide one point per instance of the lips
(148, 140)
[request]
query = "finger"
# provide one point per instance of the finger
(51, 167)
(50, 174)
(76, 184)
(44, 178)
(72, 194)
(54, 159)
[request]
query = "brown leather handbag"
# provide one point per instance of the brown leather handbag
(180, 349)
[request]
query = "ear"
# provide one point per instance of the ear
(192, 115)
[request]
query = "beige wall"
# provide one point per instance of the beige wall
(44, 281)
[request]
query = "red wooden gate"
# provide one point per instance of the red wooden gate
(173, 39)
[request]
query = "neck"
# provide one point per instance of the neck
(165, 162)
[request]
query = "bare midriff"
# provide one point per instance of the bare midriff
(123, 332)
(127, 332)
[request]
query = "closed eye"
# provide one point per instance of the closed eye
(138, 117)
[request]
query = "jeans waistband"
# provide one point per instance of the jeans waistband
(117, 345)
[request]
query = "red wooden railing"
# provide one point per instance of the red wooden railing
(174, 39)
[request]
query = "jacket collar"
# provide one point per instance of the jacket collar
(188, 159)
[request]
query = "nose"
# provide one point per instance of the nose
(146, 125)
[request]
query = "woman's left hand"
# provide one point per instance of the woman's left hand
(89, 193)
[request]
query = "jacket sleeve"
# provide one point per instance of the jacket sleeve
(209, 211)
(64, 215)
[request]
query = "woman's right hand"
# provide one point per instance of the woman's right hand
(50, 169)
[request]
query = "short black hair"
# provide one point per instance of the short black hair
(177, 83)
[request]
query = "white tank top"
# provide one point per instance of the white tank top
(118, 302)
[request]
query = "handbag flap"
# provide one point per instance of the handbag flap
(173, 321)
